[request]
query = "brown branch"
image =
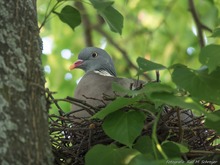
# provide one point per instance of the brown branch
(179, 124)
(86, 23)
(82, 104)
(50, 95)
(198, 23)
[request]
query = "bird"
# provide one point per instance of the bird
(100, 74)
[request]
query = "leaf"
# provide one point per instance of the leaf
(113, 18)
(146, 65)
(144, 145)
(157, 87)
(101, 4)
(174, 149)
(109, 155)
(180, 101)
(210, 56)
(70, 16)
(200, 84)
(124, 127)
(120, 102)
(216, 33)
(153, 87)
(142, 159)
(212, 121)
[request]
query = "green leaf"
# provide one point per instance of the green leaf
(151, 88)
(157, 87)
(212, 121)
(142, 159)
(109, 155)
(144, 145)
(120, 102)
(70, 16)
(113, 18)
(174, 149)
(101, 4)
(146, 65)
(119, 89)
(216, 33)
(210, 56)
(180, 101)
(200, 84)
(124, 127)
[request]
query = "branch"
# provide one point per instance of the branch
(86, 23)
(47, 14)
(198, 23)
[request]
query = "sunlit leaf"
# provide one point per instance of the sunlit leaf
(212, 121)
(113, 18)
(174, 149)
(143, 159)
(200, 84)
(114, 106)
(144, 145)
(124, 127)
(146, 65)
(70, 16)
(109, 155)
(180, 101)
(157, 87)
(101, 4)
(210, 56)
(216, 33)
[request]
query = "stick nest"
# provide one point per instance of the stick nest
(72, 137)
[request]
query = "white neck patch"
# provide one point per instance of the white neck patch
(103, 73)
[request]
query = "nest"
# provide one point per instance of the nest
(72, 137)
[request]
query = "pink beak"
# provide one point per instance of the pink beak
(75, 64)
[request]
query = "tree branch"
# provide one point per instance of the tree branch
(86, 24)
(198, 23)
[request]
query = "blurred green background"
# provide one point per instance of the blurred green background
(159, 30)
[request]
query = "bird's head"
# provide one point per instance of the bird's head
(94, 59)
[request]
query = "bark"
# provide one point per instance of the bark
(24, 137)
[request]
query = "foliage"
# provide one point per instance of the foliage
(162, 32)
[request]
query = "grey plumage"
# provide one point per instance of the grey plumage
(98, 79)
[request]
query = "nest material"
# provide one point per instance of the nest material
(72, 137)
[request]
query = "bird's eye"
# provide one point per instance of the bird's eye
(94, 54)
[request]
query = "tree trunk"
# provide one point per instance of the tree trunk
(24, 137)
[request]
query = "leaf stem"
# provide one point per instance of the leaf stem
(47, 14)
(156, 144)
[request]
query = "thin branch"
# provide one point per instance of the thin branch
(198, 23)
(47, 14)
(50, 95)
(86, 23)
(179, 124)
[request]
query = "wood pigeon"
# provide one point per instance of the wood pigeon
(98, 79)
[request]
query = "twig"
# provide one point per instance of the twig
(203, 152)
(198, 23)
(49, 13)
(79, 103)
(157, 76)
(86, 23)
(69, 99)
(179, 124)
(92, 98)
(54, 101)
